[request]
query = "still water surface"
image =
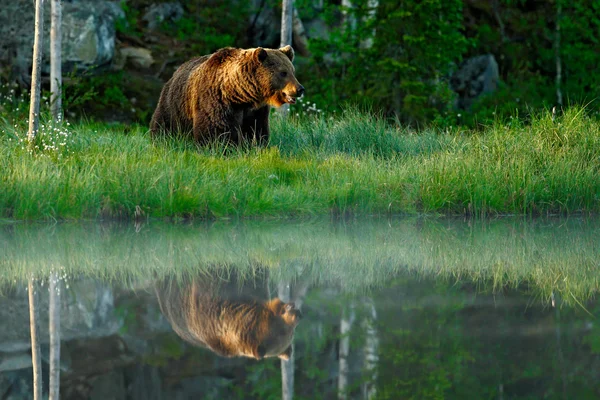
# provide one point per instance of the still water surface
(362, 309)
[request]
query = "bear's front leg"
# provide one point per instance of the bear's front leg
(199, 130)
(205, 131)
(255, 126)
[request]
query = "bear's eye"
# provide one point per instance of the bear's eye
(283, 74)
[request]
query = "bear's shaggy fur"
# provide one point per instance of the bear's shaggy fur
(227, 95)
(228, 321)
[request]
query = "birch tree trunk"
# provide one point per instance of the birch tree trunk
(36, 359)
(349, 19)
(371, 351)
(559, 97)
(56, 61)
(344, 351)
(34, 107)
(54, 329)
(561, 358)
(56, 108)
(287, 366)
(367, 43)
(287, 9)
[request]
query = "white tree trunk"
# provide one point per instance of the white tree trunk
(349, 20)
(287, 9)
(561, 358)
(287, 366)
(36, 359)
(368, 41)
(34, 108)
(559, 97)
(54, 329)
(56, 61)
(371, 351)
(344, 351)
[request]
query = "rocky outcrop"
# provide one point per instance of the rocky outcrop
(475, 77)
(88, 312)
(88, 36)
(138, 57)
(156, 14)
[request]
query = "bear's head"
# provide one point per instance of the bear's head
(277, 336)
(275, 75)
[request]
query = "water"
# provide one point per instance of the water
(382, 309)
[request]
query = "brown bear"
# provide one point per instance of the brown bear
(227, 94)
(230, 322)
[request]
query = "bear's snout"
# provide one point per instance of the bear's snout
(291, 314)
(291, 92)
(296, 91)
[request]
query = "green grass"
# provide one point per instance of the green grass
(543, 256)
(354, 163)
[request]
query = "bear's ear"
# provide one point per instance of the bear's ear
(260, 54)
(288, 51)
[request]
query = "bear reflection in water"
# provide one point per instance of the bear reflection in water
(229, 319)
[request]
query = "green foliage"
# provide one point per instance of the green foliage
(526, 52)
(511, 99)
(265, 380)
(107, 94)
(109, 90)
(14, 104)
(129, 23)
(580, 29)
(395, 58)
(416, 45)
(423, 361)
(592, 339)
(208, 25)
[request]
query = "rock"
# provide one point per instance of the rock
(15, 361)
(88, 35)
(137, 56)
(88, 311)
(158, 13)
(475, 77)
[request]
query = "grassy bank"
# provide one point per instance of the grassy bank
(351, 164)
(543, 256)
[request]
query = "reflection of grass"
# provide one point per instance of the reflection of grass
(354, 163)
(547, 255)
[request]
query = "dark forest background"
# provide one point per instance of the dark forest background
(396, 57)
